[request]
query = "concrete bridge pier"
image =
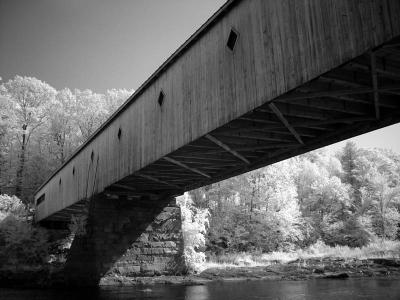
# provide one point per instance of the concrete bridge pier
(127, 237)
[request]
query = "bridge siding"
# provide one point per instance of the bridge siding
(281, 45)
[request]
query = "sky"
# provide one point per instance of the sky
(104, 44)
(95, 44)
(388, 137)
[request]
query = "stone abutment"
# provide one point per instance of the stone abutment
(128, 238)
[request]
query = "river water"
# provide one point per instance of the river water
(318, 289)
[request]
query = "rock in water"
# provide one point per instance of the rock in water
(336, 276)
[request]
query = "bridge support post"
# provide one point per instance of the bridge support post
(127, 238)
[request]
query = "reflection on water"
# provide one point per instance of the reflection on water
(198, 292)
(365, 288)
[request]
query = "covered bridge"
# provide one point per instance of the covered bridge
(259, 82)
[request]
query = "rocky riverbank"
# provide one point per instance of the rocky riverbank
(321, 268)
(328, 268)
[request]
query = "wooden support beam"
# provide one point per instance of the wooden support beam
(157, 180)
(337, 79)
(221, 151)
(158, 172)
(180, 180)
(148, 185)
(203, 158)
(171, 160)
(283, 131)
(385, 73)
(362, 101)
(199, 146)
(338, 121)
(281, 154)
(128, 188)
(240, 130)
(348, 83)
(170, 177)
(331, 104)
(257, 120)
(235, 138)
(201, 163)
(258, 147)
(247, 126)
(285, 122)
(157, 168)
(324, 85)
(374, 77)
(295, 111)
(261, 121)
(341, 92)
(227, 148)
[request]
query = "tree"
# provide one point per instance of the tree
(40, 127)
(114, 98)
(20, 243)
(251, 191)
(348, 159)
(89, 113)
(255, 211)
(279, 206)
(62, 130)
(325, 200)
(383, 201)
(378, 173)
(6, 138)
(194, 227)
(31, 98)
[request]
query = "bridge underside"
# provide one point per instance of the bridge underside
(357, 97)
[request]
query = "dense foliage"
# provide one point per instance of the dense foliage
(194, 229)
(20, 242)
(40, 127)
(347, 198)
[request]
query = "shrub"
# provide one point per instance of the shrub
(11, 205)
(21, 243)
(194, 224)
(349, 233)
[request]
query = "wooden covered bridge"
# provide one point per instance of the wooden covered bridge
(259, 82)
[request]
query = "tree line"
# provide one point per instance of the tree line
(41, 126)
(343, 198)
(346, 198)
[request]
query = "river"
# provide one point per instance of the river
(326, 289)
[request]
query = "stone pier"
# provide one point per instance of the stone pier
(127, 237)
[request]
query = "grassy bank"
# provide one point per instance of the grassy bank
(377, 249)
